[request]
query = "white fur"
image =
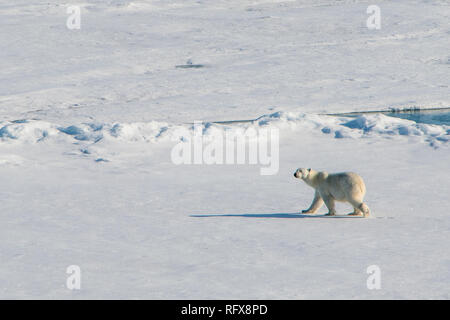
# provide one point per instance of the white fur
(345, 186)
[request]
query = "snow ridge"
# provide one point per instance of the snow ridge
(364, 126)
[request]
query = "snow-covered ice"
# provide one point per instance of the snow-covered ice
(88, 119)
(317, 55)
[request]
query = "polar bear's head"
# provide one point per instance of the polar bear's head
(302, 173)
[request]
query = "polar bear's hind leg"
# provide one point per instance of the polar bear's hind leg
(360, 209)
(365, 210)
(356, 212)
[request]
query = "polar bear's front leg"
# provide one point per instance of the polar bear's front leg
(329, 202)
(315, 205)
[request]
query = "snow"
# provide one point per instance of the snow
(315, 55)
(89, 118)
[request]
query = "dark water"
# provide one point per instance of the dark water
(430, 117)
(190, 66)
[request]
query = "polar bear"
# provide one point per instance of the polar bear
(345, 186)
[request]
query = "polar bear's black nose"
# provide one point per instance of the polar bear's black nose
(295, 174)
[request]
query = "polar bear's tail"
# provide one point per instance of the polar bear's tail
(365, 210)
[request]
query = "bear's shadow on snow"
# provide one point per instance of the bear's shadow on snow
(293, 215)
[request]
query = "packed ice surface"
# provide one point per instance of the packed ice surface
(141, 227)
(89, 119)
(258, 56)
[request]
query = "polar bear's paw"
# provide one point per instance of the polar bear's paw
(365, 210)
